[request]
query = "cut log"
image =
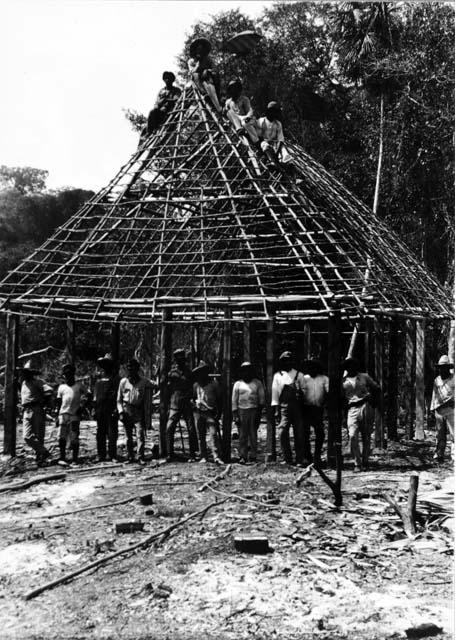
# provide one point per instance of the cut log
(250, 543)
(407, 514)
(216, 479)
(146, 499)
(19, 486)
(128, 526)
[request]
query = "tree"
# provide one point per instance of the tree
(23, 179)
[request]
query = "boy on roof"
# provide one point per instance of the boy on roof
(240, 113)
(165, 102)
(200, 68)
(34, 397)
(443, 405)
(270, 132)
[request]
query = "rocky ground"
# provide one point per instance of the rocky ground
(330, 574)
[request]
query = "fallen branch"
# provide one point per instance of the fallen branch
(407, 514)
(105, 505)
(121, 552)
(335, 486)
(306, 473)
(29, 483)
(216, 479)
(280, 507)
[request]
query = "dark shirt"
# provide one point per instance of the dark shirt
(180, 385)
(167, 98)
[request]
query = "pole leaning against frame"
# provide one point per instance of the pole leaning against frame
(11, 355)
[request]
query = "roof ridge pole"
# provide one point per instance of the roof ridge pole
(11, 383)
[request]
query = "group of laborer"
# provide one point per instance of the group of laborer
(265, 133)
(194, 396)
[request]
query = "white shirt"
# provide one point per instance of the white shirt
(315, 390)
(70, 397)
(248, 395)
(443, 392)
(285, 377)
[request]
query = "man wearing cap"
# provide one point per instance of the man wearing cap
(202, 73)
(315, 394)
(207, 411)
(180, 390)
(165, 102)
(105, 399)
(34, 397)
(240, 113)
(287, 392)
(248, 400)
(443, 405)
(134, 401)
(70, 395)
(360, 392)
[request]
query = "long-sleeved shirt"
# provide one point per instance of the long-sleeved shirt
(208, 397)
(270, 130)
(167, 98)
(443, 393)
(32, 392)
(241, 106)
(105, 392)
(180, 385)
(358, 388)
(282, 378)
(135, 398)
(248, 395)
(315, 390)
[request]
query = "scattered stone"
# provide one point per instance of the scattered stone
(250, 543)
(149, 512)
(146, 499)
(128, 526)
(424, 630)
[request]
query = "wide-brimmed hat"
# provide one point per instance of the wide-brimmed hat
(200, 42)
(68, 367)
(179, 353)
(444, 362)
(234, 85)
(246, 365)
(351, 362)
(106, 361)
(202, 366)
(168, 74)
(29, 367)
(286, 355)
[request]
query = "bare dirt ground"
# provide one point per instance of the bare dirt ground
(332, 574)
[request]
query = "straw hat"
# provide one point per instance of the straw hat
(29, 368)
(68, 367)
(286, 355)
(200, 42)
(179, 353)
(444, 362)
(246, 365)
(106, 361)
(202, 366)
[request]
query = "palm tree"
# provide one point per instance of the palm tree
(368, 34)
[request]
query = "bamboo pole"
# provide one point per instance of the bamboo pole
(307, 340)
(392, 385)
(247, 340)
(148, 348)
(334, 399)
(379, 370)
(195, 345)
(227, 384)
(270, 357)
(165, 363)
(420, 380)
(11, 383)
(115, 342)
(71, 341)
(410, 372)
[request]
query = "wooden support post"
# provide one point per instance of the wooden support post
(148, 349)
(71, 341)
(115, 342)
(369, 347)
(269, 371)
(306, 340)
(247, 335)
(195, 346)
(420, 380)
(165, 364)
(11, 383)
(392, 386)
(334, 435)
(379, 368)
(227, 384)
(410, 376)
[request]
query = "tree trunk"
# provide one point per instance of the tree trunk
(451, 345)
(380, 156)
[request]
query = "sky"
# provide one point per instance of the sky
(68, 69)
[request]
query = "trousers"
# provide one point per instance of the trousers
(184, 410)
(248, 432)
(360, 420)
(444, 422)
(133, 424)
(206, 422)
(291, 416)
(34, 427)
(106, 428)
(313, 417)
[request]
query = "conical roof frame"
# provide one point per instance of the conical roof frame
(196, 221)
